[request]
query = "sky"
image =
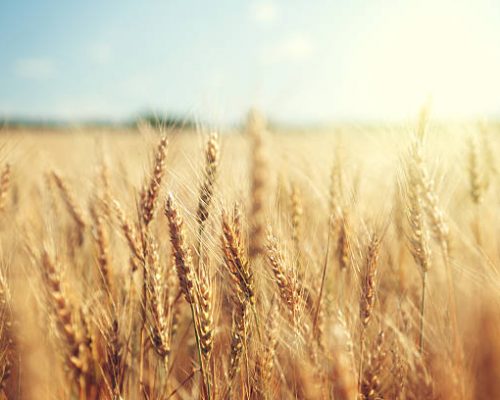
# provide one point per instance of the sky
(298, 61)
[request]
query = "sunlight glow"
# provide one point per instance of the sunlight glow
(428, 52)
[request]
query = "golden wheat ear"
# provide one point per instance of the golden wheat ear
(149, 195)
(190, 287)
(5, 181)
(182, 252)
(212, 159)
(285, 282)
(76, 350)
(72, 205)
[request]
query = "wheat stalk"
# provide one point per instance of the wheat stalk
(186, 275)
(418, 237)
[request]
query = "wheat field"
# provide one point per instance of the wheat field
(257, 263)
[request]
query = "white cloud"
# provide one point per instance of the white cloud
(100, 53)
(36, 68)
(297, 47)
(263, 12)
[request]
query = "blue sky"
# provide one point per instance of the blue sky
(300, 61)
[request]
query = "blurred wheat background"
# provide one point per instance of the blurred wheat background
(169, 263)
